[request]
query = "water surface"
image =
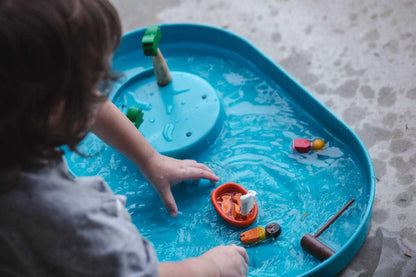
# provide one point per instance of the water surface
(298, 191)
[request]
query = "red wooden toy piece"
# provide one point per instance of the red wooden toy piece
(302, 145)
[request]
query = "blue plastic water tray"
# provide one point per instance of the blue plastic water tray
(234, 109)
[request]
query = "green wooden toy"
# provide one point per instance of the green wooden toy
(150, 40)
(150, 43)
(135, 115)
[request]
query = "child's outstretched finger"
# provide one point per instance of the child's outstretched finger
(198, 173)
(194, 163)
(201, 171)
(204, 167)
(168, 200)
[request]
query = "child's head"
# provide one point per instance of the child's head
(53, 54)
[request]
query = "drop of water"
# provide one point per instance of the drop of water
(169, 109)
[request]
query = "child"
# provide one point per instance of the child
(54, 54)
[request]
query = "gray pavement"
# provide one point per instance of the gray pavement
(359, 59)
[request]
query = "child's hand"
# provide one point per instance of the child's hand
(221, 261)
(164, 172)
(114, 128)
(229, 260)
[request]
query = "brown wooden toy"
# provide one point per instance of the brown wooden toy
(315, 247)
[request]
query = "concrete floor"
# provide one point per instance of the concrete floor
(359, 59)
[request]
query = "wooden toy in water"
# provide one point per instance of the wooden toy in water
(227, 202)
(259, 234)
(315, 247)
(304, 145)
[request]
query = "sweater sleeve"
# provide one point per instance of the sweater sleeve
(64, 226)
(104, 242)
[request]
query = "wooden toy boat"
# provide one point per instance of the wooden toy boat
(228, 193)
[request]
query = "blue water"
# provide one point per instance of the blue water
(298, 191)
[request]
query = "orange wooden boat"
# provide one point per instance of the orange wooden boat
(227, 213)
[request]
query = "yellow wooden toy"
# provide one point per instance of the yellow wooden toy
(253, 235)
(318, 144)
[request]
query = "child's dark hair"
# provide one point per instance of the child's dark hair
(53, 53)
